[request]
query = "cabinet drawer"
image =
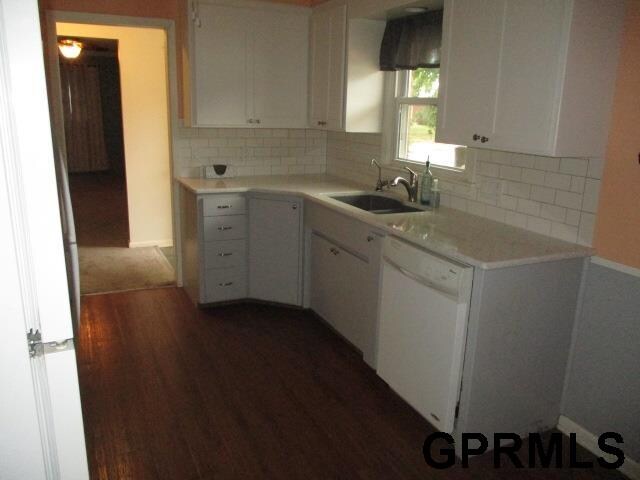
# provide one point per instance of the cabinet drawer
(215, 205)
(223, 284)
(225, 228)
(350, 233)
(226, 253)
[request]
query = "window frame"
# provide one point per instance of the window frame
(394, 82)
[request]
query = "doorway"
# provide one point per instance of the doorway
(116, 122)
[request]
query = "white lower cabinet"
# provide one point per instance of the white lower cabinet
(343, 276)
(275, 266)
(237, 246)
(339, 293)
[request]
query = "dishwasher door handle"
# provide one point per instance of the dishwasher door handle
(421, 280)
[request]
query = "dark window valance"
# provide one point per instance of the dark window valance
(412, 42)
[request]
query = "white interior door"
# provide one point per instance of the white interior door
(42, 432)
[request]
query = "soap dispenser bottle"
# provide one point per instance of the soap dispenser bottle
(435, 194)
(425, 186)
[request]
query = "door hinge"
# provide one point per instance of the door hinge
(34, 341)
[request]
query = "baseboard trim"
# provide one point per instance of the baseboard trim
(616, 266)
(152, 243)
(588, 440)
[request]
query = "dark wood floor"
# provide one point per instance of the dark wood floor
(99, 202)
(244, 392)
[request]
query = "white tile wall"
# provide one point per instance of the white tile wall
(257, 151)
(552, 196)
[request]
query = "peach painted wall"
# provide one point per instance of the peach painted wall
(617, 233)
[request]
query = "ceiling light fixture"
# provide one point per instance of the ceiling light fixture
(70, 48)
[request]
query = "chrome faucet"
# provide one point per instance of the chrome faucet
(411, 185)
(380, 184)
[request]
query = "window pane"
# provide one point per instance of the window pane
(424, 82)
(417, 130)
(416, 138)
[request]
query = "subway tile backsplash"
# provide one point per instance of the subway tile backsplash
(551, 196)
(248, 151)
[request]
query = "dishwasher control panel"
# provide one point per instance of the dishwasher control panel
(445, 275)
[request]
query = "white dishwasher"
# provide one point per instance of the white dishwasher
(422, 332)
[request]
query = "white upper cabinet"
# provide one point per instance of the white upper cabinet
(328, 49)
(530, 76)
(347, 85)
(249, 65)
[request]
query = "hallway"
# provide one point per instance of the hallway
(107, 263)
(100, 209)
(246, 392)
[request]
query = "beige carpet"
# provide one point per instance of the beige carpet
(110, 269)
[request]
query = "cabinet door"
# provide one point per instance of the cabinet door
(472, 35)
(319, 71)
(337, 59)
(279, 60)
(274, 250)
(340, 290)
(528, 78)
(220, 64)
(328, 50)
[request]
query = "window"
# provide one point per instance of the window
(416, 111)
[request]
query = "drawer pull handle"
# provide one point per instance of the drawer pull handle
(224, 227)
(225, 284)
(335, 251)
(224, 206)
(223, 254)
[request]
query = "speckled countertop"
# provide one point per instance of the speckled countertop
(458, 235)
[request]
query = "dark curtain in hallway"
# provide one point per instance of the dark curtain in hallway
(84, 131)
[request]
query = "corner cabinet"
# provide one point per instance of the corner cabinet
(529, 76)
(249, 64)
(237, 246)
(275, 262)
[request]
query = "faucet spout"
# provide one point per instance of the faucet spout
(411, 185)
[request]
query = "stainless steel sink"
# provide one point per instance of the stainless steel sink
(375, 203)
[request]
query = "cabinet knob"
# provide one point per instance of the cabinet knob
(322, 124)
(257, 120)
(294, 206)
(370, 238)
(250, 120)
(335, 251)
(476, 137)
(484, 139)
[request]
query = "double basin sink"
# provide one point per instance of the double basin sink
(375, 203)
